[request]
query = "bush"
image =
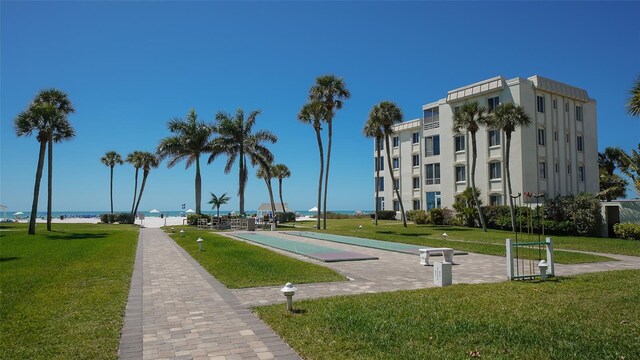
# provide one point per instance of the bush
(411, 214)
(627, 231)
(192, 219)
(420, 217)
(125, 218)
(495, 216)
(286, 217)
(465, 208)
(385, 215)
(437, 215)
(107, 218)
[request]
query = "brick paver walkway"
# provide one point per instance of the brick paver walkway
(186, 313)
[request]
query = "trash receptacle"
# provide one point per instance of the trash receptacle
(161, 216)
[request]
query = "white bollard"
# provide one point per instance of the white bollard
(442, 274)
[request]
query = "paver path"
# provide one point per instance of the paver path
(186, 313)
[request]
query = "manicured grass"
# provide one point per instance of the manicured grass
(238, 265)
(63, 292)
(591, 316)
(475, 240)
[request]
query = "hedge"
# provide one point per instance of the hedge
(627, 231)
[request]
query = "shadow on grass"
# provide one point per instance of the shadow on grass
(400, 234)
(3, 259)
(76, 236)
(456, 228)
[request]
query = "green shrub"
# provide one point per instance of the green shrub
(412, 213)
(106, 218)
(627, 231)
(494, 216)
(125, 218)
(385, 215)
(192, 219)
(286, 217)
(437, 215)
(465, 208)
(582, 212)
(421, 218)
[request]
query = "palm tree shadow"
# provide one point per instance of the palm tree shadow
(3, 259)
(400, 234)
(77, 236)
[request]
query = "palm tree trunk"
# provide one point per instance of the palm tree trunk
(135, 191)
(36, 189)
(386, 143)
(280, 191)
(218, 207)
(326, 177)
(474, 155)
(241, 181)
(508, 173)
(273, 203)
(377, 182)
(321, 151)
(144, 181)
(198, 185)
(49, 183)
(111, 189)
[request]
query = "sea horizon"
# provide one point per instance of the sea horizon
(97, 213)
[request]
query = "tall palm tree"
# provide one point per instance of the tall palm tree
(265, 172)
(280, 171)
(47, 120)
(313, 113)
(237, 141)
(217, 201)
(61, 102)
(508, 117)
(372, 129)
(629, 165)
(329, 90)
(135, 159)
(469, 118)
(633, 106)
(386, 114)
(190, 141)
(148, 161)
(111, 159)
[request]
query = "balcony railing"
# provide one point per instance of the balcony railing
(432, 125)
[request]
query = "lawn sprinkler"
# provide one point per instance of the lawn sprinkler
(288, 291)
(200, 245)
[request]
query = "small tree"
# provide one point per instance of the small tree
(111, 159)
(465, 206)
(217, 201)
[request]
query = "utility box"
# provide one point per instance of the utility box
(442, 274)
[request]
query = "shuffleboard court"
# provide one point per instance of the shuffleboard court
(376, 244)
(322, 253)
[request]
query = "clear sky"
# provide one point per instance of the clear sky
(129, 67)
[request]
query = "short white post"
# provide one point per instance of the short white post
(288, 291)
(542, 265)
(509, 244)
(550, 262)
(442, 274)
(200, 246)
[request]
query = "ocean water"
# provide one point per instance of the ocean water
(95, 213)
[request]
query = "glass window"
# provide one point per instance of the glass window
(415, 160)
(381, 203)
(566, 107)
(568, 138)
(460, 173)
(557, 167)
(379, 163)
(494, 138)
(495, 171)
(541, 137)
(540, 103)
(433, 200)
(396, 205)
(416, 182)
(415, 137)
(495, 200)
(569, 169)
(396, 183)
(381, 183)
(416, 204)
(555, 104)
(396, 141)
(492, 103)
(555, 136)
(579, 144)
(581, 173)
(431, 118)
(542, 169)
(432, 172)
(460, 143)
(432, 145)
(379, 144)
(396, 163)
(578, 113)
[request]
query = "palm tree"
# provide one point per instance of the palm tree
(612, 186)
(111, 159)
(280, 171)
(508, 117)
(329, 90)
(385, 115)
(629, 165)
(313, 113)
(373, 130)
(633, 106)
(236, 140)
(469, 118)
(58, 133)
(191, 141)
(135, 159)
(147, 162)
(265, 172)
(217, 201)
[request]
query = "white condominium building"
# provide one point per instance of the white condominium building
(557, 154)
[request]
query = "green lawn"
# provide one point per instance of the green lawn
(238, 265)
(593, 316)
(63, 292)
(475, 240)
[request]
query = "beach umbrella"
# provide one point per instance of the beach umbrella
(19, 213)
(190, 211)
(313, 209)
(155, 211)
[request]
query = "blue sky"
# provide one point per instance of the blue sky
(129, 67)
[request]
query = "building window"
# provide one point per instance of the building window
(569, 169)
(542, 169)
(415, 160)
(581, 173)
(566, 107)
(555, 136)
(415, 137)
(540, 103)
(396, 141)
(379, 144)
(460, 143)
(568, 138)
(433, 200)
(495, 171)
(416, 204)
(494, 138)
(432, 172)
(460, 174)
(416, 183)
(578, 113)
(495, 200)
(557, 167)
(380, 201)
(541, 137)
(579, 143)
(492, 103)
(379, 163)
(431, 118)
(432, 145)
(396, 205)
(396, 183)
(381, 183)
(555, 104)
(395, 163)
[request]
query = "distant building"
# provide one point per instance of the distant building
(556, 155)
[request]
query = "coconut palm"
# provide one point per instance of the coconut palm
(135, 159)
(217, 201)
(373, 130)
(237, 141)
(633, 105)
(280, 171)
(265, 172)
(629, 165)
(329, 90)
(313, 113)
(49, 122)
(385, 115)
(612, 186)
(111, 159)
(148, 161)
(469, 118)
(508, 117)
(190, 141)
